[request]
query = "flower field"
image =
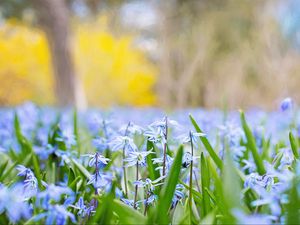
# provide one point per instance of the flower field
(145, 166)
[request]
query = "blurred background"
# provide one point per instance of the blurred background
(169, 54)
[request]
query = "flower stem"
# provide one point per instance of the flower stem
(136, 186)
(124, 168)
(191, 172)
(146, 204)
(165, 146)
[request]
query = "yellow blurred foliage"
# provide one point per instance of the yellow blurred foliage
(111, 69)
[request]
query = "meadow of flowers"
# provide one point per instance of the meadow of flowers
(145, 166)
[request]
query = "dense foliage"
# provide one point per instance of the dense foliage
(130, 166)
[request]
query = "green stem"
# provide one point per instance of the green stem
(191, 173)
(124, 168)
(165, 147)
(136, 186)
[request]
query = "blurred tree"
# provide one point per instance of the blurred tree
(52, 16)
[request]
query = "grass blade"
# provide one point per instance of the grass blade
(207, 145)
(168, 189)
(294, 146)
(252, 145)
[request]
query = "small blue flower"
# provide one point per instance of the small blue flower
(169, 161)
(82, 208)
(30, 182)
(194, 137)
(129, 202)
(178, 195)
(13, 203)
(56, 214)
(286, 104)
(97, 158)
(123, 142)
(131, 128)
(67, 136)
(100, 180)
(101, 144)
(137, 158)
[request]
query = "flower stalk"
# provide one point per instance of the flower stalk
(124, 167)
(191, 172)
(165, 146)
(136, 186)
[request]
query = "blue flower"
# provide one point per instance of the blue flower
(178, 195)
(12, 201)
(81, 207)
(194, 136)
(187, 159)
(123, 142)
(52, 193)
(67, 136)
(100, 180)
(286, 104)
(97, 158)
(30, 182)
(137, 158)
(169, 161)
(101, 143)
(131, 128)
(56, 214)
(129, 202)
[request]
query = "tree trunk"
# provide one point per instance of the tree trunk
(53, 17)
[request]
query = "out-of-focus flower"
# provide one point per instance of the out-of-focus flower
(253, 219)
(30, 182)
(187, 159)
(286, 104)
(129, 202)
(67, 136)
(178, 195)
(12, 202)
(123, 142)
(194, 137)
(131, 128)
(56, 214)
(81, 207)
(137, 158)
(101, 144)
(169, 161)
(100, 180)
(52, 193)
(96, 158)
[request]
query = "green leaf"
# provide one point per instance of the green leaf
(81, 168)
(76, 131)
(252, 145)
(26, 148)
(209, 219)
(168, 190)
(127, 215)
(293, 207)
(294, 146)
(205, 183)
(207, 145)
(231, 188)
(71, 176)
(8, 171)
(104, 212)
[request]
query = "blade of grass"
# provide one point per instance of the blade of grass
(168, 189)
(205, 183)
(252, 145)
(207, 145)
(294, 145)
